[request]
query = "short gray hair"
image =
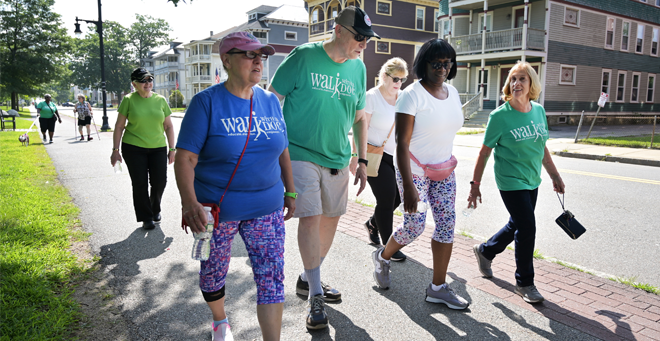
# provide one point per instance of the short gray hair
(81, 95)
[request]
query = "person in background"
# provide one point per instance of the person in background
(48, 115)
(428, 116)
(143, 145)
(84, 110)
(380, 115)
(517, 131)
(209, 150)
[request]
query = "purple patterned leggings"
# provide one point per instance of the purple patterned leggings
(264, 240)
(441, 196)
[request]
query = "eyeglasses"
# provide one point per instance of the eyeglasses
(357, 36)
(437, 66)
(250, 54)
(397, 79)
(150, 80)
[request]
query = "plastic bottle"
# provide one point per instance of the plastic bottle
(202, 245)
(421, 207)
(118, 167)
(468, 211)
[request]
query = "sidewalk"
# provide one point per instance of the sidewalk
(155, 289)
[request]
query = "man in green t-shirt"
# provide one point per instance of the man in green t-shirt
(324, 84)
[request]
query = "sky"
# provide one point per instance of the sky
(192, 20)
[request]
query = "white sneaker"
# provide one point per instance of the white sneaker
(222, 332)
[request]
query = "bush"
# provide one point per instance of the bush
(176, 99)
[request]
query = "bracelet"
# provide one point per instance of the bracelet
(115, 149)
(354, 155)
(291, 194)
(365, 161)
(475, 183)
(173, 149)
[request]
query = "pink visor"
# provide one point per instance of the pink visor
(244, 41)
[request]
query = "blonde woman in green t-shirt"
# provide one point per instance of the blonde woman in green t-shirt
(518, 131)
(143, 122)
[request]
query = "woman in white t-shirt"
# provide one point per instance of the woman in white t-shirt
(380, 101)
(428, 115)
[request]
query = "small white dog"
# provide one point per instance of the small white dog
(25, 139)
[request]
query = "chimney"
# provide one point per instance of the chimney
(211, 33)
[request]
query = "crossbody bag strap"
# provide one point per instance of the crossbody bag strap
(388, 135)
(242, 153)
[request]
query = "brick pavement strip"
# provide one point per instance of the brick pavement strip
(594, 305)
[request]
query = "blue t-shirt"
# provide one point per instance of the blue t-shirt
(215, 128)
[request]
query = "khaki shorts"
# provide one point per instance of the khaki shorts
(319, 192)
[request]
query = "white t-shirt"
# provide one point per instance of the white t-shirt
(382, 119)
(436, 124)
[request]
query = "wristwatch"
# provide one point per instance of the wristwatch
(365, 161)
(291, 194)
(475, 183)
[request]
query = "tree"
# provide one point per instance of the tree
(33, 44)
(86, 65)
(176, 99)
(176, 2)
(146, 33)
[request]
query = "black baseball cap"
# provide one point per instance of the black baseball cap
(357, 19)
(140, 74)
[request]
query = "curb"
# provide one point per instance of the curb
(619, 159)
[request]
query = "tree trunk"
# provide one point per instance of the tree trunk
(14, 101)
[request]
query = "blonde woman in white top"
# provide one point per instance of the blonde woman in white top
(380, 102)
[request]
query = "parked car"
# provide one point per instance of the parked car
(67, 104)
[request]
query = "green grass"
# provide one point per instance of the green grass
(36, 267)
(538, 254)
(631, 281)
(471, 132)
(178, 109)
(642, 141)
(364, 203)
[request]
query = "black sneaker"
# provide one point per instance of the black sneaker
(316, 316)
(398, 257)
(373, 232)
(330, 294)
(157, 218)
(148, 225)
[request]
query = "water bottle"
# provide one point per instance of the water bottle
(202, 245)
(118, 167)
(421, 207)
(468, 211)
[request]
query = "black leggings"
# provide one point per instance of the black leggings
(146, 166)
(387, 197)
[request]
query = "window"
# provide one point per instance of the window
(651, 88)
(640, 39)
(571, 17)
(419, 18)
(625, 34)
(252, 16)
(334, 11)
(657, 2)
(567, 74)
(290, 35)
(489, 22)
(383, 47)
(634, 94)
(262, 35)
(620, 86)
(609, 36)
(654, 42)
(605, 82)
(384, 7)
(315, 16)
(350, 3)
(436, 21)
(485, 85)
(445, 24)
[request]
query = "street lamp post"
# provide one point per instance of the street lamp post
(99, 29)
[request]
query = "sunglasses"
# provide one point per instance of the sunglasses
(357, 36)
(437, 66)
(397, 79)
(250, 54)
(150, 80)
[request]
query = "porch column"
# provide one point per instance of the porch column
(481, 81)
(542, 70)
(451, 24)
(524, 32)
(467, 82)
(470, 26)
(483, 33)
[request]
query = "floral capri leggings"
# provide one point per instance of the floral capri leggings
(441, 196)
(264, 241)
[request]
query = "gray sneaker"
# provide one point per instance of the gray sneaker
(530, 294)
(484, 264)
(382, 270)
(447, 296)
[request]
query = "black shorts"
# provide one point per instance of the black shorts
(87, 121)
(47, 124)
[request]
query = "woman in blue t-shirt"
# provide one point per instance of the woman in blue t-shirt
(216, 135)
(517, 130)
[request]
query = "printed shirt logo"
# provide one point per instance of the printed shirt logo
(238, 126)
(334, 85)
(367, 20)
(530, 132)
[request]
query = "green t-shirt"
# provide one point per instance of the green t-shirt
(518, 140)
(145, 120)
(45, 111)
(322, 97)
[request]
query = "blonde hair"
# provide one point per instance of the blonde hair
(534, 87)
(392, 66)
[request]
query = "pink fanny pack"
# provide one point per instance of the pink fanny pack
(438, 171)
